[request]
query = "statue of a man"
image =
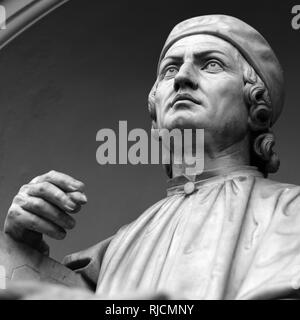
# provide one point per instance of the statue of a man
(227, 233)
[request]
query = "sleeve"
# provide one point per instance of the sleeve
(88, 262)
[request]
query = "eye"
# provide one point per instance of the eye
(170, 72)
(213, 66)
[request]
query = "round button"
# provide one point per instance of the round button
(189, 187)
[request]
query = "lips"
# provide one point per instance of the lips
(184, 97)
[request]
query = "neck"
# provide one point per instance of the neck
(215, 158)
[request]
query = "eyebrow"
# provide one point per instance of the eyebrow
(173, 58)
(198, 55)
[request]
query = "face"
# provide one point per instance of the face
(200, 85)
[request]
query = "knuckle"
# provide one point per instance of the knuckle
(14, 212)
(51, 173)
(14, 220)
(36, 179)
(43, 187)
(24, 188)
(58, 196)
(19, 199)
(36, 204)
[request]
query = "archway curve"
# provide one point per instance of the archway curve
(22, 14)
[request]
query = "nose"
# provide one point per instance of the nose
(186, 78)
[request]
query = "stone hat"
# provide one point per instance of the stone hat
(250, 43)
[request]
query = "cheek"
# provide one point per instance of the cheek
(226, 98)
(228, 112)
(163, 91)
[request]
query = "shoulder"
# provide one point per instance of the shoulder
(268, 187)
(145, 217)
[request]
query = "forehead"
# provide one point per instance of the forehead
(200, 43)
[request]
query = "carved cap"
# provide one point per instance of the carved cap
(250, 43)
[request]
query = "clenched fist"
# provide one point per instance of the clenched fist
(44, 206)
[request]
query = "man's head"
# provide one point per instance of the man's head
(200, 85)
(210, 77)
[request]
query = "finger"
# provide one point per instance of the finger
(76, 210)
(26, 220)
(62, 180)
(45, 210)
(44, 248)
(51, 193)
(77, 197)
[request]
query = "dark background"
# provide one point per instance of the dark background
(92, 63)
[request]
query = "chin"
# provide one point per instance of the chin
(181, 122)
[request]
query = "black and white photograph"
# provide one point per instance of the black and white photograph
(149, 150)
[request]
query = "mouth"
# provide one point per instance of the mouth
(183, 99)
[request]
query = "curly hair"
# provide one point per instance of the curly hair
(257, 100)
(262, 139)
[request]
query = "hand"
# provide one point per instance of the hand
(43, 207)
(29, 290)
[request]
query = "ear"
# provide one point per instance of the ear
(152, 111)
(151, 106)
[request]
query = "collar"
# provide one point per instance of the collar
(185, 184)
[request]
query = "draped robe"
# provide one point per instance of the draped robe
(236, 236)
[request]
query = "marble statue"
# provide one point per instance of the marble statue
(227, 233)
